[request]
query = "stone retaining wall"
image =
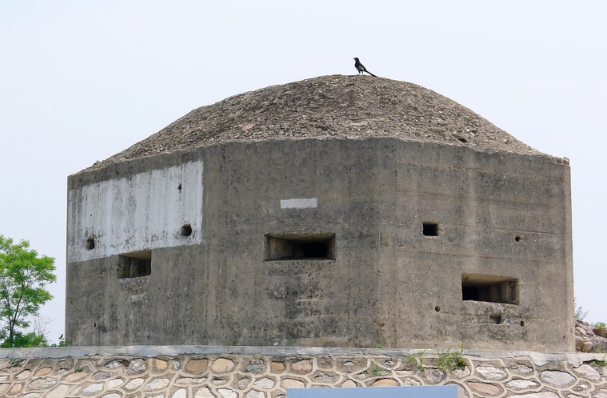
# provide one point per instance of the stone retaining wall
(267, 372)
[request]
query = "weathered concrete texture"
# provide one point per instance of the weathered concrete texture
(328, 107)
(262, 374)
(136, 212)
(498, 215)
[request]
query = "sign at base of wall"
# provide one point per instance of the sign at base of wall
(375, 392)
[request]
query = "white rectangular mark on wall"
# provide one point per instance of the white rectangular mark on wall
(159, 208)
(308, 203)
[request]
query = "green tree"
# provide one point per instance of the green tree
(23, 280)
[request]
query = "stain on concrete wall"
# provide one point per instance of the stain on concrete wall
(143, 211)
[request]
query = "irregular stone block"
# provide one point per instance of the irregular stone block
(136, 366)
(102, 375)
(189, 380)
(76, 376)
(114, 383)
(160, 365)
(16, 389)
(545, 394)
(349, 383)
(432, 376)
(557, 379)
(324, 362)
(222, 365)
(351, 365)
(181, 393)
(485, 388)
(521, 384)
(115, 364)
(156, 384)
(43, 372)
(24, 375)
(323, 377)
(278, 367)
(41, 384)
(265, 383)
(291, 383)
(588, 372)
(491, 373)
(385, 383)
(59, 392)
(196, 366)
(303, 366)
(133, 384)
(93, 389)
(255, 366)
(243, 383)
(255, 394)
(227, 393)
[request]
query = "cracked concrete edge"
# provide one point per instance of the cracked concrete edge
(538, 358)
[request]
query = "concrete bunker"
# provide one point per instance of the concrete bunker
(285, 217)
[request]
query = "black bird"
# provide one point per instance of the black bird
(361, 68)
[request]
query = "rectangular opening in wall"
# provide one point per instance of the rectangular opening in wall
(135, 265)
(430, 228)
(320, 246)
(490, 288)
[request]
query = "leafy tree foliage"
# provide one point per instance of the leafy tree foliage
(23, 280)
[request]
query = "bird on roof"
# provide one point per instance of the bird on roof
(361, 68)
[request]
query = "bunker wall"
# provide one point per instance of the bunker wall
(428, 245)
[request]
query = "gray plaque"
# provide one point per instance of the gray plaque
(449, 391)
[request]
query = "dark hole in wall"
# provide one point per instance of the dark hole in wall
(430, 229)
(462, 140)
(319, 246)
(496, 318)
(186, 230)
(90, 244)
(489, 288)
(135, 265)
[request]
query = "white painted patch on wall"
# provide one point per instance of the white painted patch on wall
(309, 203)
(144, 211)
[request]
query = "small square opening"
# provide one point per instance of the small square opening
(135, 265)
(319, 246)
(489, 288)
(430, 229)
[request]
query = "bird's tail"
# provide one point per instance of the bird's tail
(370, 73)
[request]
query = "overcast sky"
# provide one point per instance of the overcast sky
(83, 80)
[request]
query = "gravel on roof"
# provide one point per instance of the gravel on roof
(328, 107)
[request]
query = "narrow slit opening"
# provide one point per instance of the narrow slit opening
(319, 246)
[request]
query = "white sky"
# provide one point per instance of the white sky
(83, 80)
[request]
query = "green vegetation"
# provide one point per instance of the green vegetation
(377, 370)
(599, 325)
(418, 359)
(62, 342)
(579, 313)
(451, 360)
(379, 346)
(24, 277)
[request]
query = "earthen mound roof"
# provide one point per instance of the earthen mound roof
(329, 107)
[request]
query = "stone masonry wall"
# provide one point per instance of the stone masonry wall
(256, 372)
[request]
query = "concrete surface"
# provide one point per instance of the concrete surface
(503, 219)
